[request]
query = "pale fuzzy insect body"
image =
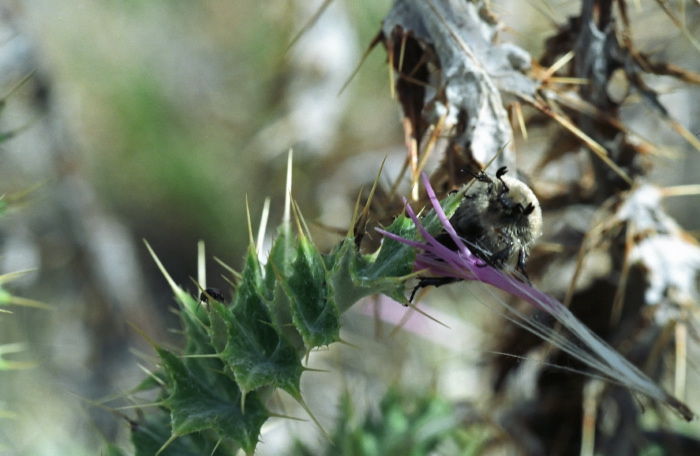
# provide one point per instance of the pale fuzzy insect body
(499, 219)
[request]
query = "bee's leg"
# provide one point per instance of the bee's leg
(498, 259)
(431, 281)
(506, 202)
(482, 177)
(499, 175)
(522, 256)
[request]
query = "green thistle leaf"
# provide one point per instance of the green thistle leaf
(279, 265)
(256, 351)
(344, 262)
(196, 406)
(314, 312)
(354, 276)
(149, 435)
(281, 258)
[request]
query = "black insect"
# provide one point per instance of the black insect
(213, 293)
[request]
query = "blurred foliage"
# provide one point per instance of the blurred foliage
(183, 129)
(404, 424)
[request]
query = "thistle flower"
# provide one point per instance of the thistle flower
(462, 264)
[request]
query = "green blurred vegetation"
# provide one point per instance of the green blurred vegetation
(172, 125)
(403, 424)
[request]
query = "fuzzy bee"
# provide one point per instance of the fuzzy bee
(498, 220)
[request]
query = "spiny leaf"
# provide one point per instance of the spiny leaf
(256, 352)
(343, 275)
(196, 406)
(281, 258)
(149, 435)
(196, 334)
(353, 276)
(395, 259)
(314, 311)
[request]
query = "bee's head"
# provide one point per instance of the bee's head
(521, 203)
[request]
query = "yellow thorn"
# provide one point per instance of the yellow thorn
(201, 264)
(176, 289)
(250, 225)
(167, 443)
(263, 224)
(288, 192)
(301, 402)
(521, 119)
(308, 24)
(557, 65)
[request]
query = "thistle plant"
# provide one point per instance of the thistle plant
(212, 395)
